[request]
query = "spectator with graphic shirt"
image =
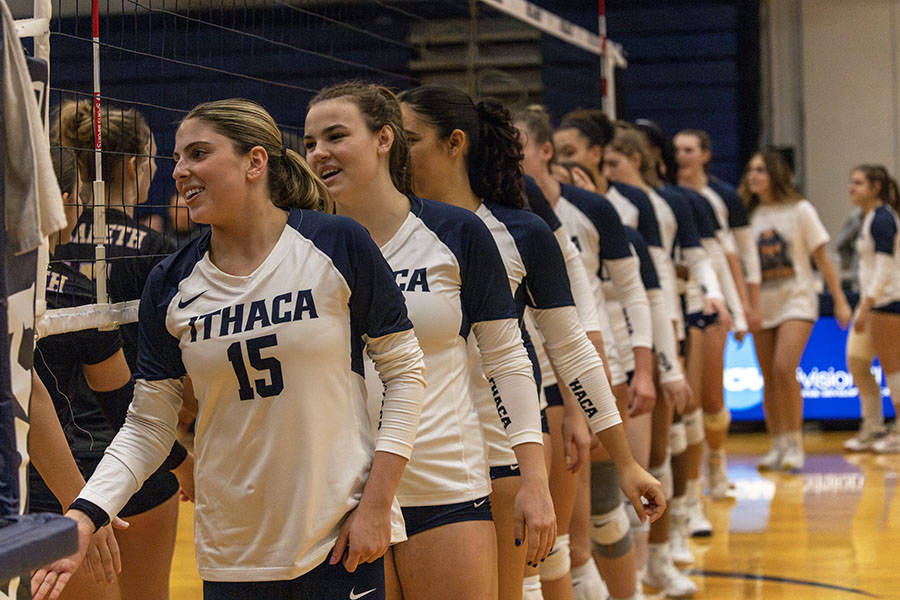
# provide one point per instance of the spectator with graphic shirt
(788, 234)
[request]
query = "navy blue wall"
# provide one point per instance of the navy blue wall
(691, 64)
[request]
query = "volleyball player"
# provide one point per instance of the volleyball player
(268, 314)
(789, 234)
(874, 191)
(597, 231)
(627, 159)
(132, 250)
(483, 146)
(693, 153)
(448, 266)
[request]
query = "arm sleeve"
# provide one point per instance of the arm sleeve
(507, 366)
(577, 363)
(139, 448)
(379, 317)
(488, 305)
(701, 268)
(585, 302)
(625, 274)
(665, 272)
(664, 338)
(401, 367)
(729, 290)
(749, 253)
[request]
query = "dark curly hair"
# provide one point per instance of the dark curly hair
(495, 171)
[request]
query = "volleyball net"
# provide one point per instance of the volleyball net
(159, 58)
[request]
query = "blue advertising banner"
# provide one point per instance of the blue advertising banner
(827, 386)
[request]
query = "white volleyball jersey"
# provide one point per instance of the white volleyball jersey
(537, 277)
(879, 255)
(448, 267)
(283, 445)
(599, 235)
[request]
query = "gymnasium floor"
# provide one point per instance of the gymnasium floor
(830, 533)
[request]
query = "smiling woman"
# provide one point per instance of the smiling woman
(261, 356)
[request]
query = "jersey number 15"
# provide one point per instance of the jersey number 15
(270, 364)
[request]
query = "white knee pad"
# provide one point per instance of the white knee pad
(610, 533)
(718, 421)
(636, 525)
(693, 426)
(587, 583)
(678, 438)
(559, 561)
(531, 588)
(663, 473)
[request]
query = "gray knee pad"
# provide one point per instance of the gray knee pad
(559, 561)
(610, 535)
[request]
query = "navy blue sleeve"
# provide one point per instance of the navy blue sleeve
(158, 356)
(539, 204)
(737, 212)
(484, 293)
(686, 236)
(648, 271)
(883, 231)
(485, 290)
(704, 216)
(647, 226)
(546, 283)
(377, 306)
(602, 214)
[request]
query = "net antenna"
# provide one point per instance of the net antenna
(610, 53)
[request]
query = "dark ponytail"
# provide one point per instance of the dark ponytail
(889, 192)
(493, 162)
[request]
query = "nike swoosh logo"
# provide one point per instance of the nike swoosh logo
(184, 303)
(514, 467)
(483, 500)
(355, 596)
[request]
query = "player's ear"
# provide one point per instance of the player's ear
(259, 159)
(456, 143)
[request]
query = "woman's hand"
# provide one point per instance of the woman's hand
(577, 439)
(677, 394)
(364, 536)
(843, 314)
(49, 581)
(637, 483)
(642, 394)
(535, 520)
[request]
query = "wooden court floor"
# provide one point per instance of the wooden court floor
(830, 533)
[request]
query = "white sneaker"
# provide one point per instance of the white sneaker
(889, 444)
(697, 523)
(864, 440)
(717, 476)
(678, 531)
(663, 575)
(678, 535)
(771, 459)
(794, 458)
